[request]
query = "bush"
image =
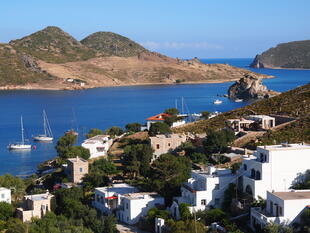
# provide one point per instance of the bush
(133, 127)
(94, 132)
(159, 128)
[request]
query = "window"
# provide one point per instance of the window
(169, 144)
(203, 202)
(271, 207)
(258, 175)
(127, 206)
(253, 174)
(157, 146)
(245, 167)
(2, 196)
(81, 169)
(217, 201)
(280, 211)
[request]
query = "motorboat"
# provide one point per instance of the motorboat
(218, 101)
(238, 100)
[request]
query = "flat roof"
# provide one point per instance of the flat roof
(285, 146)
(39, 197)
(3, 189)
(76, 159)
(141, 195)
(122, 188)
(293, 195)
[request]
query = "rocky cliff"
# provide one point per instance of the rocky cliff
(249, 87)
(287, 55)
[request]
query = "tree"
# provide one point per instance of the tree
(167, 174)
(277, 228)
(305, 220)
(78, 151)
(214, 215)
(198, 157)
(172, 111)
(6, 211)
(94, 132)
(114, 131)
(205, 114)
(159, 128)
(93, 180)
(188, 226)
(156, 213)
(185, 212)
(103, 166)
(137, 159)
(229, 194)
(16, 184)
(64, 144)
(14, 225)
(235, 167)
(133, 127)
(218, 141)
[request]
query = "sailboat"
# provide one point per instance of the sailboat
(73, 123)
(48, 135)
(21, 145)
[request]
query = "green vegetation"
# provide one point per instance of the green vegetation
(133, 127)
(218, 141)
(54, 46)
(94, 132)
(114, 131)
(205, 114)
(302, 181)
(159, 128)
(65, 148)
(172, 111)
(286, 55)
(112, 44)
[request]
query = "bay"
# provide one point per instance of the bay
(106, 107)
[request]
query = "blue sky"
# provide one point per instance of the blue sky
(178, 28)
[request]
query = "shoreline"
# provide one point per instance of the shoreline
(78, 88)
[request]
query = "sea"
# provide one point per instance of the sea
(111, 106)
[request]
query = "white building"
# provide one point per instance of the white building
(108, 199)
(136, 205)
(161, 118)
(98, 145)
(273, 168)
(205, 188)
(266, 122)
(5, 195)
(282, 207)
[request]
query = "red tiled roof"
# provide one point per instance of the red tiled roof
(111, 198)
(159, 117)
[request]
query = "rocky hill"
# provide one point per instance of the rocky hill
(112, 44)
(294, 54)
(53, 59)
(294, 103)
(249, 87)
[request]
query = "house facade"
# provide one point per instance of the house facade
(162, 144)
(5, 195)
(281, 207)
(263, 122)
(273, 168)
(133, 206)
(34, 206)
(98, 145)
(205, 188)
(107, 199)
(77, 168)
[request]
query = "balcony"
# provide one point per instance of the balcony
(265, 217)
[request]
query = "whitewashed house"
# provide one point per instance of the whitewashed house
(273, 168)
(108, 199)
(5, 195)
(161, 118)
(282, 207)
(136, 205)
(204, 189)
(98, 145)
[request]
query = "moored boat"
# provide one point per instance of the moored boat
(21, 145)
(48, 135)
(218, 101)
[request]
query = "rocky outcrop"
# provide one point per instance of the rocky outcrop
(249, 87)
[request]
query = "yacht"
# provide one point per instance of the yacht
(21, 145)
(48, 135)
(238, 100)
(218, 101)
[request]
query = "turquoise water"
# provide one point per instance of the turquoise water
(106, 107)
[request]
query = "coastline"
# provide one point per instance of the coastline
(29, 87)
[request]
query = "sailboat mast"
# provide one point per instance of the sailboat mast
(44, 122)
(176, 103)
(22, 127)
(182, 105)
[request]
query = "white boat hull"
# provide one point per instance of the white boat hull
(19, 147)
(43, 138)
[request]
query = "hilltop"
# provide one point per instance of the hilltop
(112, 44)
(294, 103)
(53, 59)
(294, 54)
